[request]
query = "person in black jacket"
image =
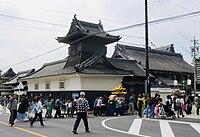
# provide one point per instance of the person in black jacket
(22, 108)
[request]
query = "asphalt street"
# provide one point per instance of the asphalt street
(126, 126)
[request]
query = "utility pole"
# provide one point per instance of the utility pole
(195, 50)
(147, 85)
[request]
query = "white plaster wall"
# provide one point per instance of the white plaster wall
(73, 84)
(77, 83)
(100, 83)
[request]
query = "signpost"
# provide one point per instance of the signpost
(19, 87)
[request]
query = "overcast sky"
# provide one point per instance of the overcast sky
(28, 28)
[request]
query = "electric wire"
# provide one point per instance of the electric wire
(62, 12)
(113, 30)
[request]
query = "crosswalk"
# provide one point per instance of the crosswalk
(144, 127)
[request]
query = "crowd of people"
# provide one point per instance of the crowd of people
(177, 105)
(27, 107)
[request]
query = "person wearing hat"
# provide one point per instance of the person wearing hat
(82, 106)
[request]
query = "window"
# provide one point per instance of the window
(61, 84)
(36, 86)
(47, 85)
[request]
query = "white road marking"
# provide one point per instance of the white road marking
(171, 121)
(135, 127)
(196, 127)
(103, 123)
(166, 130)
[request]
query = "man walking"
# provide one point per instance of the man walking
(38, 111)
(82, 106)
(58, 105)
(12, 106)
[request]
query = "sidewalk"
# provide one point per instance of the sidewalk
(193, 116)
(4, 110)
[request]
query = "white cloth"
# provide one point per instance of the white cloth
(38, 107)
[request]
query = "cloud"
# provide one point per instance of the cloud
(21, 43)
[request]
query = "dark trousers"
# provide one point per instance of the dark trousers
(117, 111)
(58, 112)
(197, 111)
(140, 112)
(40, 117)
(99, 111)
(13, 115)
(81, 115)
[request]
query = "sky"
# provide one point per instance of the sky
(29, 28)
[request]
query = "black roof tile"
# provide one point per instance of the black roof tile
(158, 60)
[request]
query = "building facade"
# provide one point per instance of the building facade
(86, 68)
(168, 68)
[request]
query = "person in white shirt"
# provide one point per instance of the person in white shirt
(38, 111)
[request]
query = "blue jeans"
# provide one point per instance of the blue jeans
(150, 110)
(21, 116)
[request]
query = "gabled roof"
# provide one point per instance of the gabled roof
(52, 69)
(80, 29)
(19, 75)
(97, 64)
(158, 60)
(167, 48)
(10, 73)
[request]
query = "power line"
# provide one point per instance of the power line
(129, 43)
(125, 35)
(113, 30)
(62, 12)
(30, 27)
(21, 62)
(32, 20)
(168, 19)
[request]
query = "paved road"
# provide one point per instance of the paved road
(126, 126)
(154, 127)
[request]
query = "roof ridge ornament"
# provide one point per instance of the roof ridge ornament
(75, 16)
(100, 26)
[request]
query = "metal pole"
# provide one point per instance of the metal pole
(147, 89)
(19, 96)
(194, 58)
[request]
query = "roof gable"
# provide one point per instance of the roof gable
(81, 29)
(158, 60)
(20, 75)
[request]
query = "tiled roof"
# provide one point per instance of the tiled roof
(158, 60)
(97, 64)
(167, 48)
(10, 73)
(128, 65)
(80, 29)
(52, 69)
(19, 75)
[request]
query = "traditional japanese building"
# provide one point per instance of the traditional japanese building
(4, 78)
(13, 82)
(86, 68)
(165, 65)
